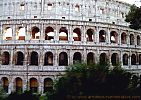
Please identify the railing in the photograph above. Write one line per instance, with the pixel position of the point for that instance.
(54, 68)
(66, 43)
(51, 68)
(31, 68)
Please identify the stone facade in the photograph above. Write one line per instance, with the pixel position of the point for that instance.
(40, 38)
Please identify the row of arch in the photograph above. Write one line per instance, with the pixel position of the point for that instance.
(33, 84)
(76, 34)
(19, 58)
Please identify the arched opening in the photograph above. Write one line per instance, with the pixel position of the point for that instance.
(63, 59)
(131, 39)
(77, 8)
(7, 33)
(33, 85)
(115, 59)
(138, 40)
(63, 34)
(5, 84)
(133, 59)
(21, 33)
(125, 59)
(90, 58)
(49, 33)
(5, 58)
(35, 33)
(34, 58)
(76, 34)
(76, 57)
(48, 60)
(90, 35)
(48, 85)
(102, 36)
(139, 59)
(123, 38)
(103, 59)
(114, 37)
(19, 84)
(19, 58)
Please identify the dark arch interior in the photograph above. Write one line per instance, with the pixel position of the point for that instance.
(78, 32)
(63, 59)
(5, 84)
(115, 59)
(63, 37)
(77, 57)
(102, 36)
(90, 33)
(138, 40)
(33, 85)
(125, 59)
(48, 30)
(131, 39)
(5, 58)
(103, 58)
(34, 59)
(48, 60)
(20, 58)
(90, 58)
(48, 85)
(35, 30)
(123, 38)
(113, 37)
(19, 84)
(133, 59)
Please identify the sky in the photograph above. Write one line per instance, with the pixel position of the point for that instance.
(133, 2)
(129, 1)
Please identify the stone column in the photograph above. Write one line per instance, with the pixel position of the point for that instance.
(41, 58)
(24, 85)
(56, 32)
(28, 32)
(84, 55)
(109, 57)
(40, 85)
(14, 32)
(70, 34)
(12, 57)
(42, 37)
(97, 56)
(10, 87)
(121, 55)
(56, 57)
(128, 38)
(1, 31)
(83, 35)
(68, 52)
(71, 57)
(109, 37)
(97, 35)
(119, 37)
(129, 62)
(26, 62)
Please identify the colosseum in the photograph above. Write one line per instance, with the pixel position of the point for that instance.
(40, 38)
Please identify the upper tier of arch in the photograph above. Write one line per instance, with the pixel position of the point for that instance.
(107, 11)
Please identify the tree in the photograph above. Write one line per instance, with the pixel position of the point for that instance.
(134, 17)
(94, 80)
(2, 93)
(27, 95)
